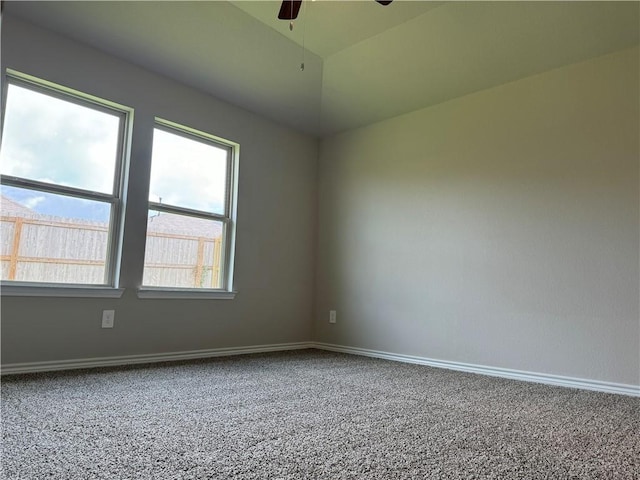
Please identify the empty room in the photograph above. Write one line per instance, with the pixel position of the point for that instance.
(320, 240)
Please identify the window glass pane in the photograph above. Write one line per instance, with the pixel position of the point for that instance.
(53, 238)
(57, 141)
(188, 173)
(183, 251)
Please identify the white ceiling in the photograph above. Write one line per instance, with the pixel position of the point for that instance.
(363, 62)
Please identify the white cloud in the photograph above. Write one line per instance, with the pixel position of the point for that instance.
(33, 202)
(61, 142)
(49, 139)
(188, 173)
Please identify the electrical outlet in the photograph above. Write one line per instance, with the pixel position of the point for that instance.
(332, 316)
(108, 318)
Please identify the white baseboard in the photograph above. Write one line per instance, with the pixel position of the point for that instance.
(581, 383)
(33, 367)
(586, 384)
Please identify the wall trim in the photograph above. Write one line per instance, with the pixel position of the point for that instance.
(32, 367)
(548, 379)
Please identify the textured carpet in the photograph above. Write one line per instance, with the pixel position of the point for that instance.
(309, 415)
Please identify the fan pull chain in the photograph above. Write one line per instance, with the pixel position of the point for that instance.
(304, 33)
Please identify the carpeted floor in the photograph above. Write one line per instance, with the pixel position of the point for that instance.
(309, 415)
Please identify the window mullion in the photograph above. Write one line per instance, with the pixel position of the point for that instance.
(161, 207)
(58, 189)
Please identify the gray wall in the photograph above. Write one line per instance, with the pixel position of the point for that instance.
(274, 268)
(498, 229)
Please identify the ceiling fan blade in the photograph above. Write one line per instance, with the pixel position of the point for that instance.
(289, 9)
(384, 2)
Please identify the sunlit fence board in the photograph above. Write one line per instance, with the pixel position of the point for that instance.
(54, 251)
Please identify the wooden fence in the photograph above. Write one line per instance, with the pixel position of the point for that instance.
(44, 250)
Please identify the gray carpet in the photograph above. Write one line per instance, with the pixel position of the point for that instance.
(309, 415)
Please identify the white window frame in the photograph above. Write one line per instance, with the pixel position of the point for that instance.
(110, 287)
(228, 218)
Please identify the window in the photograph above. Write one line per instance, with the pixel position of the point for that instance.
(62, 177)
(61, 169)
(190, 227)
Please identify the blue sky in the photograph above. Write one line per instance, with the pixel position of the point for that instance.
(58, 205)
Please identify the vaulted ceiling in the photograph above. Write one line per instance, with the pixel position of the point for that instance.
(363, 62)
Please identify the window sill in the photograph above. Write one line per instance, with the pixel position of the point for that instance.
(172, 293)
(60, 291)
